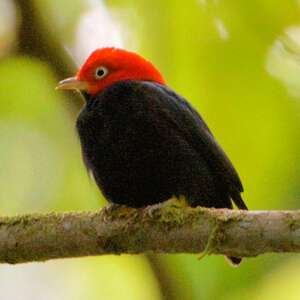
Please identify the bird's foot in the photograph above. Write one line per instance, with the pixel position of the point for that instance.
(115, 210)
(111, 208)
(178, 202)
(169, 210)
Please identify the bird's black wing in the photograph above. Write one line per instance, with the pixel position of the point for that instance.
(180, 114)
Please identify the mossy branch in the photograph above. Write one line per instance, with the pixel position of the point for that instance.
(158, 229)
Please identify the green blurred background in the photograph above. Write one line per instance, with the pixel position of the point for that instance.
(238, 62)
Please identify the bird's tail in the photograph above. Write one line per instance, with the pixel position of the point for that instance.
(234, 261)
(239, 202)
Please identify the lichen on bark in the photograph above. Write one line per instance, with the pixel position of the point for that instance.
(157, 229)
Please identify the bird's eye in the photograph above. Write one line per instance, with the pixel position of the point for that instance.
(101, 72)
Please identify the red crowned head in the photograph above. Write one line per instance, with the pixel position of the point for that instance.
(107, 66)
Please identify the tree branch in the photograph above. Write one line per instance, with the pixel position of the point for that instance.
(157, 229)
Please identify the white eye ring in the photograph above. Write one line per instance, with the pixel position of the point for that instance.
(101, 72)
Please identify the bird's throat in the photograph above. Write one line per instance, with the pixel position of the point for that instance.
(86, 96)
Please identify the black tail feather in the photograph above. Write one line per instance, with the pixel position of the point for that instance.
(234, 261)
(238, 200)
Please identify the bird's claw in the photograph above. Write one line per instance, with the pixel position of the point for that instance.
(167, 208)
(112, 210)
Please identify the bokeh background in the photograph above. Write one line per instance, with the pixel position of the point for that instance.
(238, 62)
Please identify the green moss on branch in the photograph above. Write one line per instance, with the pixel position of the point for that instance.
(158, 229)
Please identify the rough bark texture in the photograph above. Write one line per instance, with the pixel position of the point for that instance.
(158, 229)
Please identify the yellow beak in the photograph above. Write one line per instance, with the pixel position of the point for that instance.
(72, 83)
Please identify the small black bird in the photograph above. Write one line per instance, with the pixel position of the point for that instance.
(143, 142)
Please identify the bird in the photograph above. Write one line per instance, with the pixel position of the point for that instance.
(143, 142)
